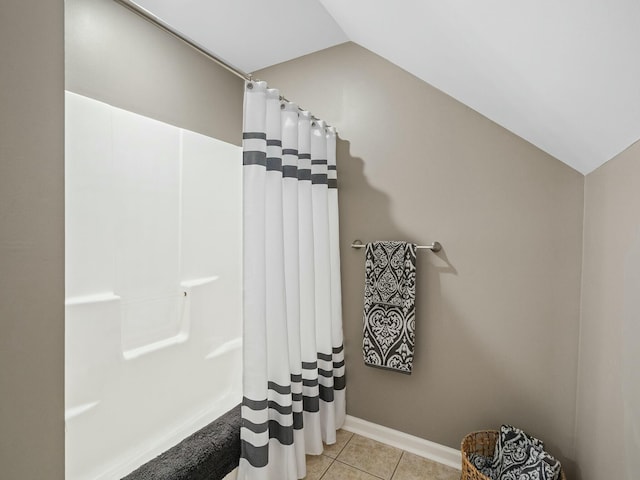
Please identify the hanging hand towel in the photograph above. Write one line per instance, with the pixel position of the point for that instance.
(389, 305)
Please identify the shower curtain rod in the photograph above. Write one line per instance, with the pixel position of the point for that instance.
(151, 18)
(154, 20)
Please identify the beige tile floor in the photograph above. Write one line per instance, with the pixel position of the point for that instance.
(353, 457)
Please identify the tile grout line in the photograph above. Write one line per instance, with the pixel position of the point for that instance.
(345, 445)
(333, 460)
(374, 476)
(397, 464)
(364, 471)
(351, 466)
(360, 470)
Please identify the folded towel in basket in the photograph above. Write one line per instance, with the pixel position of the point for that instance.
(517, 456)
(389, 305)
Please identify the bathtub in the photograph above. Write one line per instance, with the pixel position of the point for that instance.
(153, 310)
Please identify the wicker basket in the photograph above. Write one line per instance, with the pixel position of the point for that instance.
(481, 443)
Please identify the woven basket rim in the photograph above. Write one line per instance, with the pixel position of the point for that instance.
(476, 432)
(465, 454)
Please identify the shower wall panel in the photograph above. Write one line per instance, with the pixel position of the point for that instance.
(153, 286)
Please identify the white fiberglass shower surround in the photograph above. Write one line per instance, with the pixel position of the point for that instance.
(153, 286)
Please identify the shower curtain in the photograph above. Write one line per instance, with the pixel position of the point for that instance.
(293, 378)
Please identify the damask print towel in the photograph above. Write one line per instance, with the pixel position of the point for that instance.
(521, 456)
(389, 305)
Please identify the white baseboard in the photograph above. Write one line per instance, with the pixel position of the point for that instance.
(416, 445)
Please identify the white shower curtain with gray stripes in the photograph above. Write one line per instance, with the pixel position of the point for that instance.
(293, 382)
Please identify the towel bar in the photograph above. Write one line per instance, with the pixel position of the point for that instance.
(434, 247)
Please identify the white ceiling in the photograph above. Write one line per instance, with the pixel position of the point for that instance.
(564, 75)
(251, 34)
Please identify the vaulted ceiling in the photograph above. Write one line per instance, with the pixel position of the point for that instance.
(564, 75)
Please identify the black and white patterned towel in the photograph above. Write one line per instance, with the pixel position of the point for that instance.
(389, 305)
(518, 456)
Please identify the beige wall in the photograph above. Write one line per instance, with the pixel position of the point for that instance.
(498, 309)
(115, 56)
(609, 382)
(31, 240)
